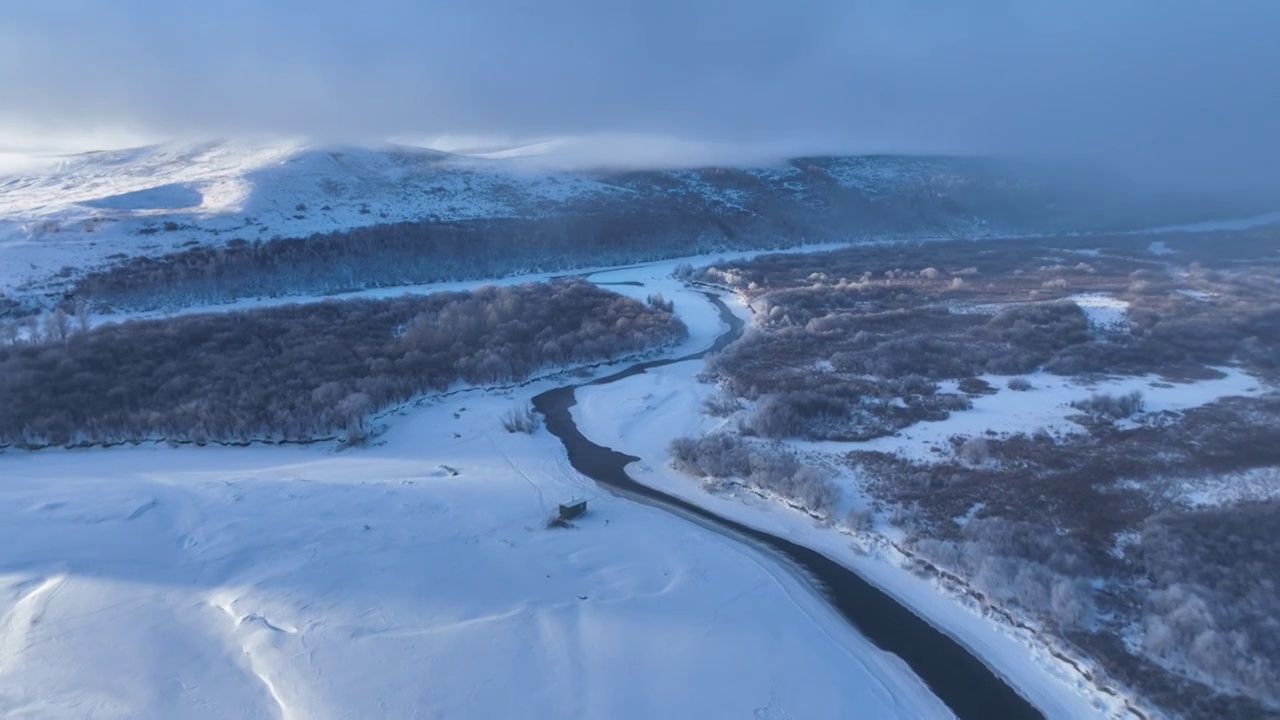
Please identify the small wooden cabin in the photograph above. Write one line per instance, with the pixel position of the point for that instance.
(572, 509)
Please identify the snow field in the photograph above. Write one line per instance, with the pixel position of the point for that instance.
(90, 206)
(1047, 406)
(304, 582)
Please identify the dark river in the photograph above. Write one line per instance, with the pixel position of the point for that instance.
(968, 687)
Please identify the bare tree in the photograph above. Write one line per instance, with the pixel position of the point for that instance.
(658, 302)
(305, 371)
(82, 318)
(521, 420)
(57, 325)
(974, 451)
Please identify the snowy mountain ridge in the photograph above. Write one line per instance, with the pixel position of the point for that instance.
(221, 186)
(88, 210)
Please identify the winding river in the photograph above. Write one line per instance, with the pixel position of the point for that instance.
(955, 675)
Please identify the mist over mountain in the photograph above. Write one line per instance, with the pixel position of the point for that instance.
(1171, 92)
(212, 222)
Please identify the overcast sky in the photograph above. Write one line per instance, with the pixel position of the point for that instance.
(1171, 86)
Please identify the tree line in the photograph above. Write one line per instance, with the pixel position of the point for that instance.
(659, 215)
(299, 372)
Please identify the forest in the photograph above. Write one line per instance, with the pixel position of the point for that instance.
(305, 371)
(397, 254)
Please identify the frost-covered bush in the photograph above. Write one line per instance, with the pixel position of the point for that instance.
(719, 455)
(658, 302)
(1211, 610)
(1019, 384)
(521, 420)
(974, 451)
(916, 385)
(1015, 562)
(721, 405)
(1112, 406)
(953, 402)
(725, 456)
(860, 519)
(797, 414)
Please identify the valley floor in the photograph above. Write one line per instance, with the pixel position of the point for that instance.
(413, 578)
(418, 577)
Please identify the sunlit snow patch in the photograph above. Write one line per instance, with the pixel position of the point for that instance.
(1104, 312)
(1254, 485)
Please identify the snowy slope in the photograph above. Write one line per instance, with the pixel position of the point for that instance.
(84, 211)
(147, 200)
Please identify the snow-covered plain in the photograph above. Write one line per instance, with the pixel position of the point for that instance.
(414, 578)
(313, 582)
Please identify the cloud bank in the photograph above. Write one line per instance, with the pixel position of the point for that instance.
(1180, 88)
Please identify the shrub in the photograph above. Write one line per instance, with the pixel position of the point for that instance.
(860, 519)
(658, 302)
(1019, 384)
(1112, 406)
(915, 385)
(723, 455)
(974, 451)
(1212, 607)
(952, 402)
(721, 405)
(797, 414)
(521, 420)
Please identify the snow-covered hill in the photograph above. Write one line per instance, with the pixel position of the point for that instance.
(88, 210)
(157, 197)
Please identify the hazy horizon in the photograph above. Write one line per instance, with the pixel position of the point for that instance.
(1163, 91)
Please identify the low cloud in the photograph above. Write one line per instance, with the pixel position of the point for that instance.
(1173, 89)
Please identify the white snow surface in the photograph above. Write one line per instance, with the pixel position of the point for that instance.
(306, 582)
(1104, 312)
(90, 206)
(1253, 485)
(1263, 220)
(1046, 406)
